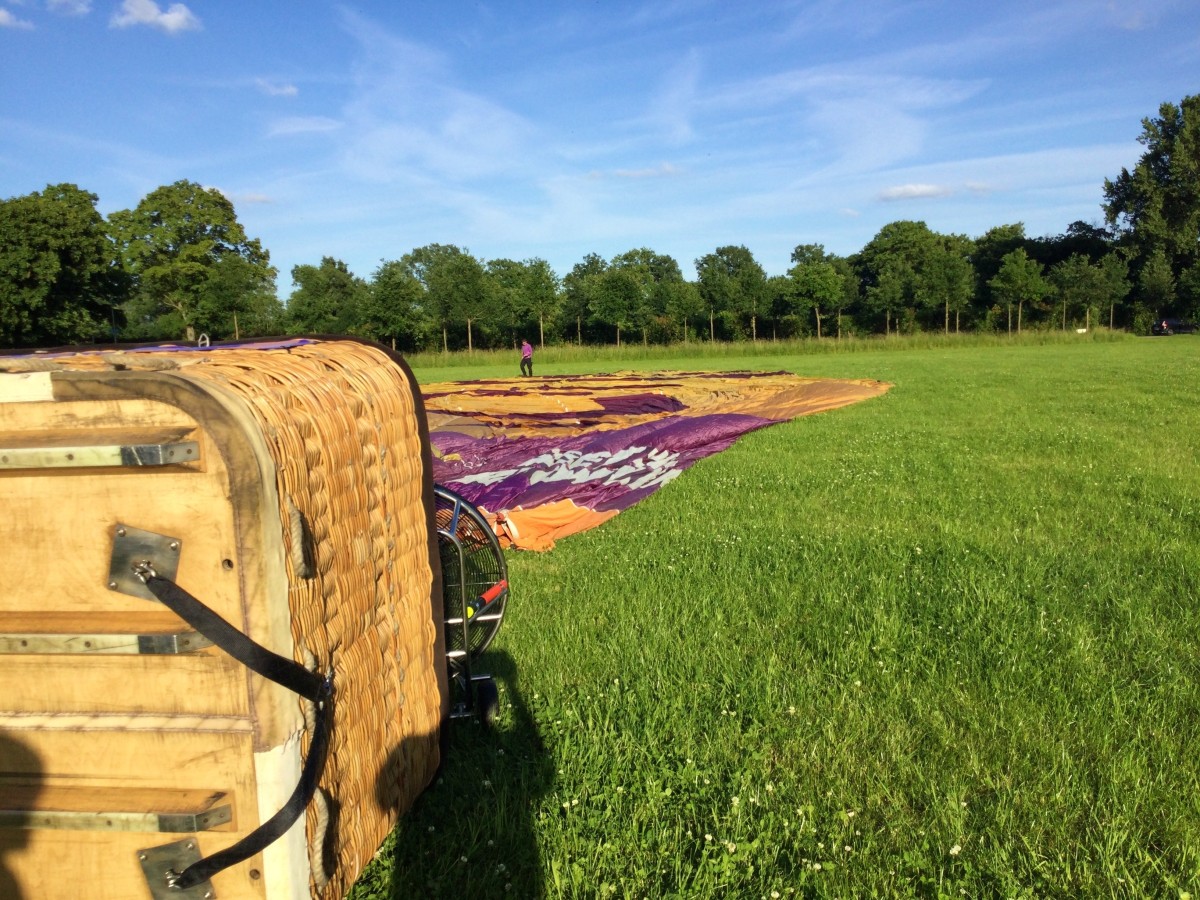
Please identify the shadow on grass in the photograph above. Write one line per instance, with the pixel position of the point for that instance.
(473, 833)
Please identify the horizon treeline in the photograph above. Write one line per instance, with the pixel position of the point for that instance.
(180, 265)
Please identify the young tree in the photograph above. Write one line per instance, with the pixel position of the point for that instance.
(656, 274)
(326, 300)
(817, 285)
(543, 296)
(1079, 286)
(1114, 284)
(988, 253)
(457, 290)
(617, 300)
(394, 308)
(1019, 281)
(579, 288)
(734, 286)
(949, 278)
(58, 279)
(174, 246)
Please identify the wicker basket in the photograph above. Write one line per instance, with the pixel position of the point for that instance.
(287, 485)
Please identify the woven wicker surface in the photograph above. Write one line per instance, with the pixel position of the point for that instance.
(341, 422)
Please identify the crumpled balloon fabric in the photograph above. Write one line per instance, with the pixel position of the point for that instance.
(547, 457)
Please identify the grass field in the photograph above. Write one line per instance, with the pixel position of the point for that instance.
(943, 643)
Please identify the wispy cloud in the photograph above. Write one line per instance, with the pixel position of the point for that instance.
(293, 125)
(174, 19)
(671, 110)
(8, 20)
(408, 118)
(70, 7)
(666, 170)
(915, 192)
(250, 198)
(276, 88)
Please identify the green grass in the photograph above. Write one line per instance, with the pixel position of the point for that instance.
(942, 643)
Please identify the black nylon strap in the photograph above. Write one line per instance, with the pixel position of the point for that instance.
(281, 670)
(276, 826)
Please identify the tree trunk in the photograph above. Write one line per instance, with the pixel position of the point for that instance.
(470, 345)
(579, 330)
(1020, 308)
(754, 328)
(541, 333)
(839, 324)
(957, 312)
(946, 328)
(1064, 315)
(887, 323)
(618, 337)
(1010, 318)
(712, 329)
(817, 313)
(1112, 312)
(445, 341)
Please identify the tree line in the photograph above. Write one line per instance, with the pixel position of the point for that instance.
(180, 265)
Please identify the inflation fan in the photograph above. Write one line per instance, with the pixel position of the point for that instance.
(474, 593)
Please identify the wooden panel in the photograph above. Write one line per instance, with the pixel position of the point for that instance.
(131, 768)
(70, 865)
(206, 683)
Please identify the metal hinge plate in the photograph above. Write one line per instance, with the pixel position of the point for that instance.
(132, 546)
(160, 864)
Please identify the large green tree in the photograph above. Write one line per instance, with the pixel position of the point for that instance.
(191, 263)
(458, 292)
(58, 280)
(526, 294)
(658, 276)
(1157, 204)
(328, 299)
(897, 269)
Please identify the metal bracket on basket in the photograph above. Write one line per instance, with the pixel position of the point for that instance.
(133, 644)
(132, 548)
(162, 865)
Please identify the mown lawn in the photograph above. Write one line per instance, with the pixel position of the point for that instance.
(942, 643)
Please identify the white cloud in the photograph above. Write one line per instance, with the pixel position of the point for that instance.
(292, 125)
(8, 20)
(174, 19)
(666, 170)
(70, 7)
(276, 89)
(915, 192)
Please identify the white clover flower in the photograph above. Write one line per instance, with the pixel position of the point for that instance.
(955, 850)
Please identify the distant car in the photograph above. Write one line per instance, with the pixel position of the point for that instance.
(1173, 326)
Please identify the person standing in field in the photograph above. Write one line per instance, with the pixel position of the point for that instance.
(526, 358)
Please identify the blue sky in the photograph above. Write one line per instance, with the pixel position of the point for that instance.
(553, 130)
